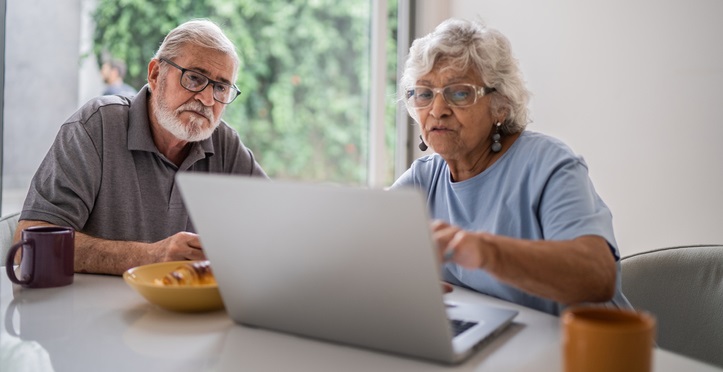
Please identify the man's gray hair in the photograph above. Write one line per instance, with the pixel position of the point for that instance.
(463, 44)
(197, 32)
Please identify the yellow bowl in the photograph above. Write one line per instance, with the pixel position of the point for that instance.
(182, 298)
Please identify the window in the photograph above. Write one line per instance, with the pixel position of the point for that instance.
(306, 79)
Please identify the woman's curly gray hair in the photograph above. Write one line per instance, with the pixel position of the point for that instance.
(462, 44)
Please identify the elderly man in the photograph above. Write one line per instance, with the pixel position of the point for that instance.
(110, 173)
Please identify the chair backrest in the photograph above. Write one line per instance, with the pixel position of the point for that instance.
(8, 224)
(683, 288)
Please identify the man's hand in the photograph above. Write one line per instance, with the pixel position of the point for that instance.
(178, 247)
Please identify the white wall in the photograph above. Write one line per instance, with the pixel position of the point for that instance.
(48, 74)
(41, 85)
(634, 87)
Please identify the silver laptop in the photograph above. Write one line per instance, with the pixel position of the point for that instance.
(344, 264)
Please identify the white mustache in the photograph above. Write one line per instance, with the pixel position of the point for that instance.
(197, 107)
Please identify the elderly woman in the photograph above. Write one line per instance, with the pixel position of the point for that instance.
(516, 214)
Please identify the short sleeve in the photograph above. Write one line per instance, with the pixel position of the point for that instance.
(64, 188)
(570, 207)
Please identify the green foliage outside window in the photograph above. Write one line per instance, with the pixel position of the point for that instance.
(304, 75)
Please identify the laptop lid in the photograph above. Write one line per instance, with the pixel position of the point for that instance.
(345, 264)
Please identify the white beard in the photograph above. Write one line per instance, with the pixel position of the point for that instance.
(194, 131)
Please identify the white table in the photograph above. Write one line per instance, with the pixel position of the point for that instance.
(100, 324)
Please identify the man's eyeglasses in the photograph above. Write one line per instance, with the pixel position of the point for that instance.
(196, 82)
(456, 95)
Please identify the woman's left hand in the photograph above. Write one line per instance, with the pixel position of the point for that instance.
(460, 246)
(568, 271)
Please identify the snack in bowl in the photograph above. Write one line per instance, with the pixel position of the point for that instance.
(189, 273)
(147, 281)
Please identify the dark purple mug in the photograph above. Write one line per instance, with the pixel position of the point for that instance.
(47, 257)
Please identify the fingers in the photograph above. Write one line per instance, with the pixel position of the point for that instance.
(456, 240)
(468, 249)
(443, 233)
(181, 246)
(437, 225)
(193, 245)
(192, 240)
(459, 246)
(195, 254)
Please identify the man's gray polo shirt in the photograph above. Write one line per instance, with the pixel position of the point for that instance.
(105, 177)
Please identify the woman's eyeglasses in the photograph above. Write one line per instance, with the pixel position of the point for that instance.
(456, 95)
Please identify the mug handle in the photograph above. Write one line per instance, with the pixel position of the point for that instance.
(10, 263)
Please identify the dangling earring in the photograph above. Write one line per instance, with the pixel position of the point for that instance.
(496, 145)
(423, 146)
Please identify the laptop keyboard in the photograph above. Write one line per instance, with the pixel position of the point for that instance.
(459, 326)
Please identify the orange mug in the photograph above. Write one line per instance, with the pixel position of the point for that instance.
(599, 339)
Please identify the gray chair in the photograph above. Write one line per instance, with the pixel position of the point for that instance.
(8, 224)
(683, 288)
